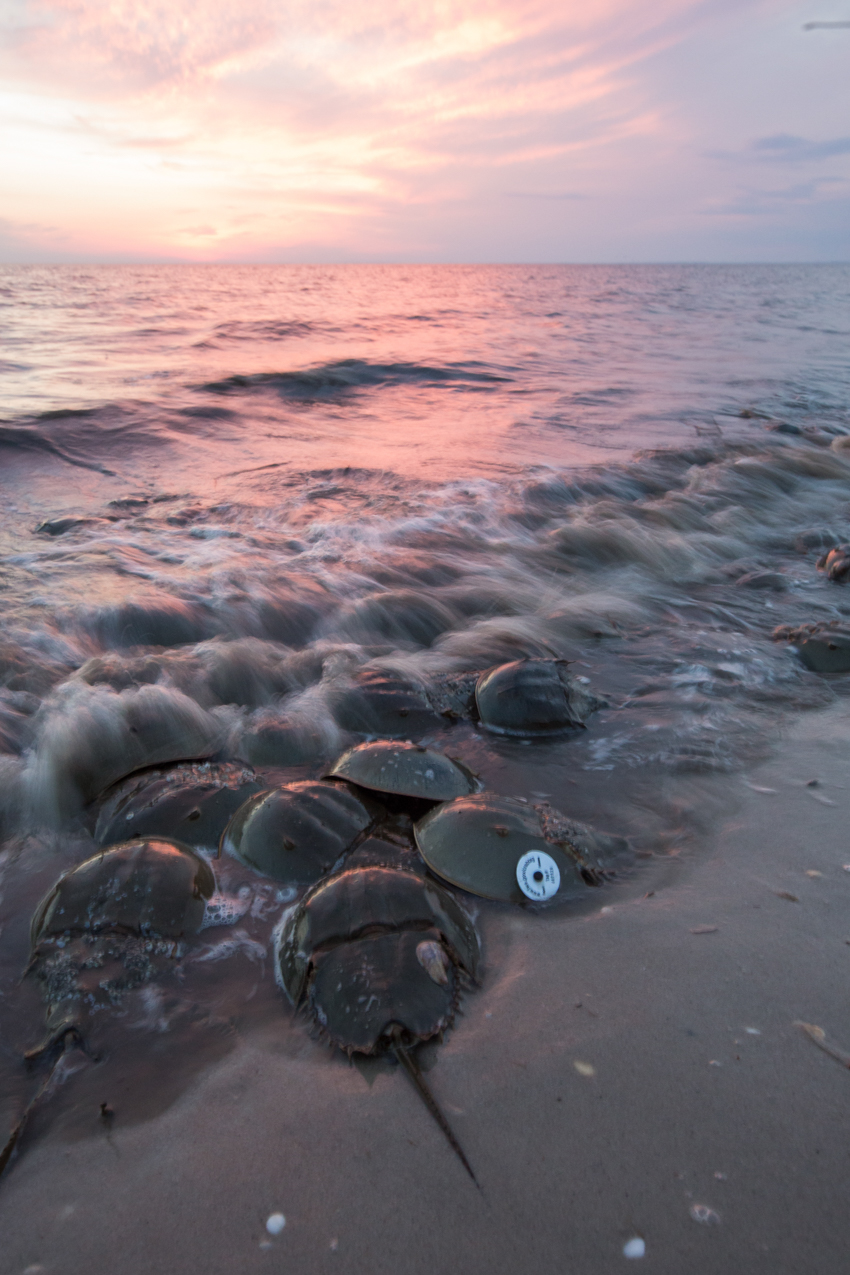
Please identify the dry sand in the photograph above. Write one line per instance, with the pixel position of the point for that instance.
(619, 1068)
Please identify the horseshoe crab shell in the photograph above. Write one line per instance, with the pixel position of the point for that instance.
(835, 563)
(109, 926)
(532, 697)
(405, 769)
(298, 832)
(139, 887)
(485, 844)
(380, 703)
(823, 648)
(193, 802)
(374, 947)
(96, 737)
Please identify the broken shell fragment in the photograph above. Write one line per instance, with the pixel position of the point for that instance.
(193, 802)
(298, 832)
(499, 849)
(434, 961)
(405, 769)
(532, 697)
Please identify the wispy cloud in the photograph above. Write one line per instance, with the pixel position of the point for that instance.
(786, 148)
(775, 201)
(124, 46)
(351, 128)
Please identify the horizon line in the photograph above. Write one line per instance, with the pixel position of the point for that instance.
(160, 261)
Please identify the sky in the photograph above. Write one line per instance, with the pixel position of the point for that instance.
(424, 130)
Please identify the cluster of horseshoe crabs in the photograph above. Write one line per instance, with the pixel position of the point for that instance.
(378, 950)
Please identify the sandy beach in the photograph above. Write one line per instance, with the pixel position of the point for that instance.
(620, 1067)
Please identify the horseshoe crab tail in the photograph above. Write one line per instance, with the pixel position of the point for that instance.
(69, 1040)
(410, 1065)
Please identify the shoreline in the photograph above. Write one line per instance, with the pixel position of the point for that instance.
(675, 1104)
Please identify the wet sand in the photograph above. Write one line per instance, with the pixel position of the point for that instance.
(676, 1104)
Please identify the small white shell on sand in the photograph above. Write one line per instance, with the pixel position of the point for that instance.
(635, 1247)
(584, 1068)
(275, 1223)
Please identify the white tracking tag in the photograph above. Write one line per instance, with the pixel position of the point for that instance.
(538, 875)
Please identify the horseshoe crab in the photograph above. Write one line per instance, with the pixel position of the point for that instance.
(823, 648)
(192, 802)
(499, 848)
(96, 737)
(298, 832)
(377, 957)
(408, 770)
(114, 912)
(380, 703)
(272, 739)
(835, 563)
(105, 928)
(532, 697)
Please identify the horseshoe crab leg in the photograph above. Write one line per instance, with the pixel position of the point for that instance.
(411, 1067)
(70, 1039)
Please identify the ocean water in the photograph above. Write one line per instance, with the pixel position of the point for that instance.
(239, 489)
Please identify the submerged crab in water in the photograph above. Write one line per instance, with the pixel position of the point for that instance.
(377, 956)
(529, 698)
(835, 563)
(823, 648)
(532, 697)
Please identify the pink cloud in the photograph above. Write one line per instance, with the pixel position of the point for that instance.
(215, 128)
(131, 45)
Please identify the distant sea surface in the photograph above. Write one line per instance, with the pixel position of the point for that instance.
(432, 373)
(429, 468)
